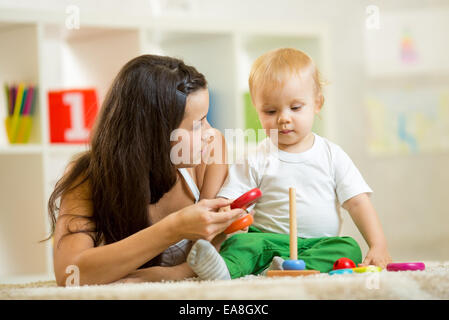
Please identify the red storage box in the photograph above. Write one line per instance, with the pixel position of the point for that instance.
(71, 115)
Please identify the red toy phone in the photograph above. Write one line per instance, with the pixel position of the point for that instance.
(244, 201)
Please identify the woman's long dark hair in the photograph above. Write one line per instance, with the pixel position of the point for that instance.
(128, 165)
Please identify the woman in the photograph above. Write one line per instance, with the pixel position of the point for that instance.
(124, 206)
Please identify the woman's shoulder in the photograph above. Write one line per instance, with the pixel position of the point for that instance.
(71, 204)
(77, 196)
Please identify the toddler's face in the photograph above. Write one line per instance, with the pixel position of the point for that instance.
(290, 109)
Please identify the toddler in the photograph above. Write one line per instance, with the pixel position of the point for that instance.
(286, 91)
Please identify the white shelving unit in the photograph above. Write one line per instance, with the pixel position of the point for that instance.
(54, 58)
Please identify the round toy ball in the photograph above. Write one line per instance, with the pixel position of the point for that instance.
(293, 265)
(341, 271)
(343, 263)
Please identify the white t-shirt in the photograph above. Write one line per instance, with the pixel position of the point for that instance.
(324, 177)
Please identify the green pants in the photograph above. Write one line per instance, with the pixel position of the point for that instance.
(252, 252)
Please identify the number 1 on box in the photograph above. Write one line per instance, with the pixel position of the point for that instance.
(77, 130)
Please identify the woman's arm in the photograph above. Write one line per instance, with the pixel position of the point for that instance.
(367, 221)
(214, 176)
(216, 172)
(109, 263)
(156, 274)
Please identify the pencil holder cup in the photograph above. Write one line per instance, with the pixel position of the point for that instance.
(18, 128)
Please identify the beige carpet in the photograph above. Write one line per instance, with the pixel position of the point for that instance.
(433, 283)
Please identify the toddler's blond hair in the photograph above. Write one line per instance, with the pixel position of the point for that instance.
(273, 68)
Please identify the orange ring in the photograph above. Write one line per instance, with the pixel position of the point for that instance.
(240, 224)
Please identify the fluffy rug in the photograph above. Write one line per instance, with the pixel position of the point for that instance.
(431, 284)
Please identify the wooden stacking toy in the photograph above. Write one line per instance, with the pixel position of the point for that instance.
(292, 267)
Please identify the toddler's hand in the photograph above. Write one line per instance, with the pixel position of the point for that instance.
(227, 208)
(378, 256)
(244, 230)
(218, 241)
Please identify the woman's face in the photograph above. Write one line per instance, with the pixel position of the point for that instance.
(192, 136)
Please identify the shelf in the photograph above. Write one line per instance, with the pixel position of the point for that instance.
(212, 54)
(67, 148)
(88, 57)
(21, 149)
(19, 63)
(52, 149)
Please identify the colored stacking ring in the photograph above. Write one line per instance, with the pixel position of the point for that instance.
(406, 266)
(367, 269)
(341, 271)
(293, 265)
(247, 199)
(240, 224)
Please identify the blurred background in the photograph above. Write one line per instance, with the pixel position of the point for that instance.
(386, 65)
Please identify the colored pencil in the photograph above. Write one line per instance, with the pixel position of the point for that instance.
(24, 98)
(8, 104)
(29, 101)
(13, 91)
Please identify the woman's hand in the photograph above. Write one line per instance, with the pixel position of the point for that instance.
(377, 256)
(244, 230)
(203, 220)
(133, 277)
(222, 237)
